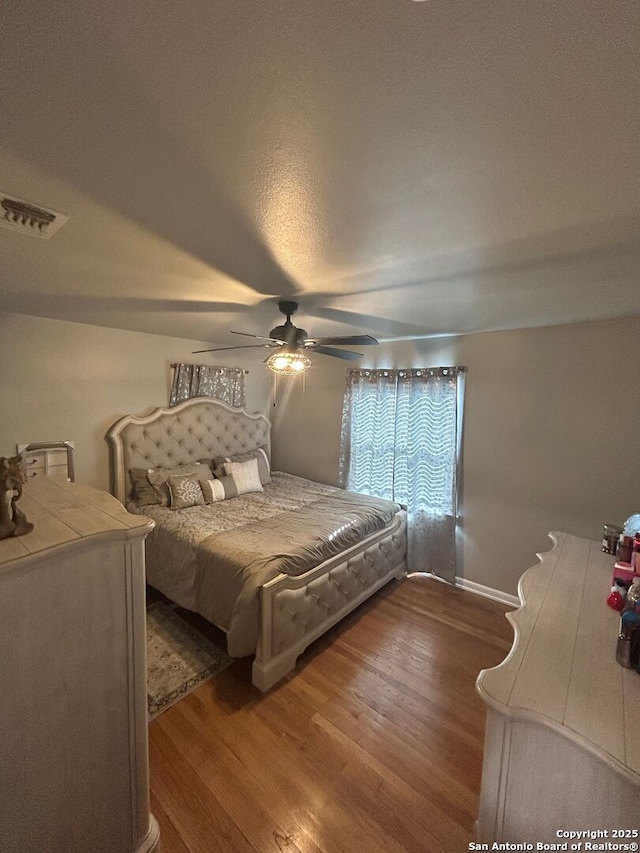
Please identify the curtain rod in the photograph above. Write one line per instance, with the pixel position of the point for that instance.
(458, 368)
(213, 366)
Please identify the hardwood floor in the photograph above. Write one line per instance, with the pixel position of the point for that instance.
(374, 744)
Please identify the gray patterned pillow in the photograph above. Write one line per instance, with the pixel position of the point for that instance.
(184, 491)
(158, 478)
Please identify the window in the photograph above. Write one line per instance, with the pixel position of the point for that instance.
(401, 432)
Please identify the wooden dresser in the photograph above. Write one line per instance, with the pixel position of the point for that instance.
(74, 772)
(562, 749)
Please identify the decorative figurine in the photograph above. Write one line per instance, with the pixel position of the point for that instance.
(615, 599)
(13, 522)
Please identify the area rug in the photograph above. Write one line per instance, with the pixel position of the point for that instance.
(179, 658)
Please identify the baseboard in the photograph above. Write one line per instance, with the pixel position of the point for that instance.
(151, 842)
(488, 592)
(478, 589)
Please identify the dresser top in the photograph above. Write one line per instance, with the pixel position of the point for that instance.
(63, 513)
(561, 670)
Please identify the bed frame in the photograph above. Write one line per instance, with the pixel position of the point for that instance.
(294, 611)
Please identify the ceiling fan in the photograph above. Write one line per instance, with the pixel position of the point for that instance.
(291, 343)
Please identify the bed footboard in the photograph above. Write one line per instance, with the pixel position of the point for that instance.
(297, 610)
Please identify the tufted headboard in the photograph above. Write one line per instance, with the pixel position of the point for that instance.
(189, 432)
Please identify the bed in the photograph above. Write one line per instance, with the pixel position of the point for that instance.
(274, 567)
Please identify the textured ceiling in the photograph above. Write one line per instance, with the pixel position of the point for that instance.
(402, 169)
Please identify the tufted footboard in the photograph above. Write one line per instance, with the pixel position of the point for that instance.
(297, 610)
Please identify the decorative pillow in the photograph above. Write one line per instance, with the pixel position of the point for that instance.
(220, 489)
(184, 491)
(260, 454)
(142, 492)
(158, 478)
(245, 475)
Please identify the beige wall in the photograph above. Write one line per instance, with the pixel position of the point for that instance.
(551, 435)
(67, 381)
(551, 427)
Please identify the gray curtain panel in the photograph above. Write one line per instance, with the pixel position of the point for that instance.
(200, 380)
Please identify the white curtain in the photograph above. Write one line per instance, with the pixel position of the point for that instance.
(401, 438)
(200, 380)
(367, 443)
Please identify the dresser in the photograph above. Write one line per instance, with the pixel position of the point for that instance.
(562, 748)
(73, 718)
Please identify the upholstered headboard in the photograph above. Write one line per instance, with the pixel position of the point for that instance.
(189, 432)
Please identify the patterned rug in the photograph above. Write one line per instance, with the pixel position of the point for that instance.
(179, 658)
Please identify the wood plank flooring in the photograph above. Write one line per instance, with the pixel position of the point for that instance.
(375, 744)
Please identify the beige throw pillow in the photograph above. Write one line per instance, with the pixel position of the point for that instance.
(264, 469)
(245, 475)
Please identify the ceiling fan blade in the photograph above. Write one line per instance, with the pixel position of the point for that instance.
(259, 337)
(346, 354)
(348, 340)
(222, 349)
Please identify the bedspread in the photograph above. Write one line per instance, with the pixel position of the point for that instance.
(233, 565)
(292, 527)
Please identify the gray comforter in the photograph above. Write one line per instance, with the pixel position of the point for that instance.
(217, 566)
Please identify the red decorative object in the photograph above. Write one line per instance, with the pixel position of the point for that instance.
(615, 600)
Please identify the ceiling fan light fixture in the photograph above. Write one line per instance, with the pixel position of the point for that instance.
(288, 363)
(291, 342)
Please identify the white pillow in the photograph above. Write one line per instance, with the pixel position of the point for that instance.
(260, 454)
(245, 475)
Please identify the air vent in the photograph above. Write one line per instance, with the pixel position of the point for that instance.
(28, 218)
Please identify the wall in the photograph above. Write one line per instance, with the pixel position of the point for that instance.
(551, 435)
(68, 381)
(551, 421)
